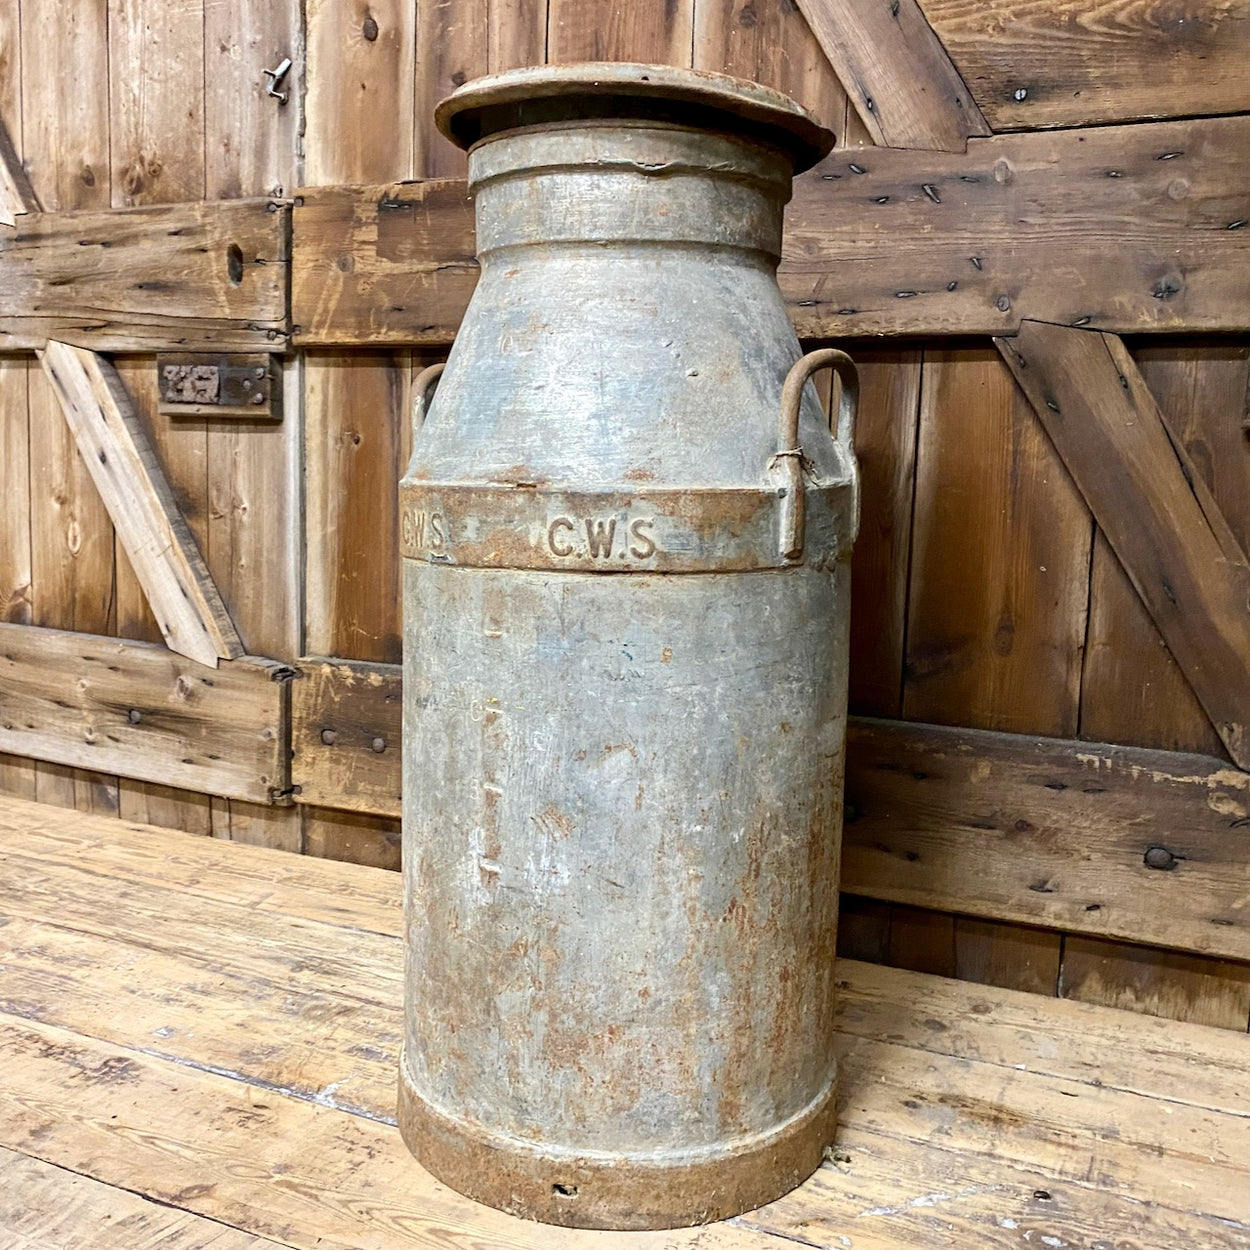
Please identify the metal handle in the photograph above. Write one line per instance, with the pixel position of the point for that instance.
(423, 387)
(788, 462)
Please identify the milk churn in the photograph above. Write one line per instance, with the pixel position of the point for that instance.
(626, 532)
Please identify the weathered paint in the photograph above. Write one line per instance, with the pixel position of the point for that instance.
(622, 794)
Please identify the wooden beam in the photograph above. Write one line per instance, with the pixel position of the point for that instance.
(1072, 63)
(134, 709)
(172, 277)
(1153, 506)
(1036, 831)
(123, 464)
(896, 73)
(346, 725)
(1051, 832)
(1126, 229)
(17, 196)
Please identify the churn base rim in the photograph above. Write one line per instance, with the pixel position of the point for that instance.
(626, 1193)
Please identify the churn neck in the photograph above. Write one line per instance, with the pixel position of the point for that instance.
(596, 92)
(630, 156)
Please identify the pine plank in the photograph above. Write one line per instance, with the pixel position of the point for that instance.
(44, 1207)
(999, 559)
(254, 545)
(346, 734)
(65, 132)
(1069, 63)
(653, 32)
(15, 551)
(156, 100)
(139, 710)
(885, 446)
(1158, 515)
(769, 41)
(1132, 690)
(1050, 833)
(65, 148)
(17, 197)
(896, 73)
(877, 241)
(1174, 985)
(148, 279)
(968, 1112)
(359, 99)
(149, 524)
(455, 38)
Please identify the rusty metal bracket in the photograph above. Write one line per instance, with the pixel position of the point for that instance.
(227, 385)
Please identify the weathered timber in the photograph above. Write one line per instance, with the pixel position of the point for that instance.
(392, 264)
(1032, 63)
(215, 1028)
(345, 735)
(138, 710)
(17, 197)
(1039, 831)
(896, 73)
(1157, 513)
(1051, 832)
(163, 554)
(1126, 229)
(169, 277)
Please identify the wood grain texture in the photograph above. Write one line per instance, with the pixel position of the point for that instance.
(1035, 63)
(149, 524)
(1132, 690)
(769, 41)
(1176, 986)
(15, 563)
(999, 559)
(1124, 228)
(138, 710)
(208, 1070)
(1050, 833)
(43, 1206)
(363, 64)
(254, 471)
(156, 100)
(346, 731)
(1127, 229)
(654, 32)
(885, 446)
(155, 278)
(393, 263)
(359, 98)
(1157, 513)
(17, 196)
(896, 73)
(65, 132)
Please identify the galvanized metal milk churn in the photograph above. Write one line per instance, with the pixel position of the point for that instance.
(626, 533)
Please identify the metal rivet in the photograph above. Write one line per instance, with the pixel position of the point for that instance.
(1160, 857)
(379, 745)
(134, 716)
(329, 737)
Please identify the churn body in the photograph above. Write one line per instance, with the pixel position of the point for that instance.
(625, 636)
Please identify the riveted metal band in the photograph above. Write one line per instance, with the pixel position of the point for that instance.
(647, 531)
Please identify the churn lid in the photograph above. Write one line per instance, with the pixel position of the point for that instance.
(551, 94)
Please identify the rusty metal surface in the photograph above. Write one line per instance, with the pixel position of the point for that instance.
(622, 794)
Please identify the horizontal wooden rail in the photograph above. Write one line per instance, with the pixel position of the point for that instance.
(1072, 63)
(1125, 229)
(1145, 846)
(168, 277)
(137, 710)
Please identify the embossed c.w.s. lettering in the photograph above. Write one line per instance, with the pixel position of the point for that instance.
(421, 529)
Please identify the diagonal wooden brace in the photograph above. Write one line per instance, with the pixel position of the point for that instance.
(183, 596)
(1151, 503)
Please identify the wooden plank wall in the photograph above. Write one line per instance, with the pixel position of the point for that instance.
(984, 595)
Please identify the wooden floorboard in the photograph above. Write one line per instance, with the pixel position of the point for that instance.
(205, 1033)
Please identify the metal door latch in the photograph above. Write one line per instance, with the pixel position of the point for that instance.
(275, 77)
